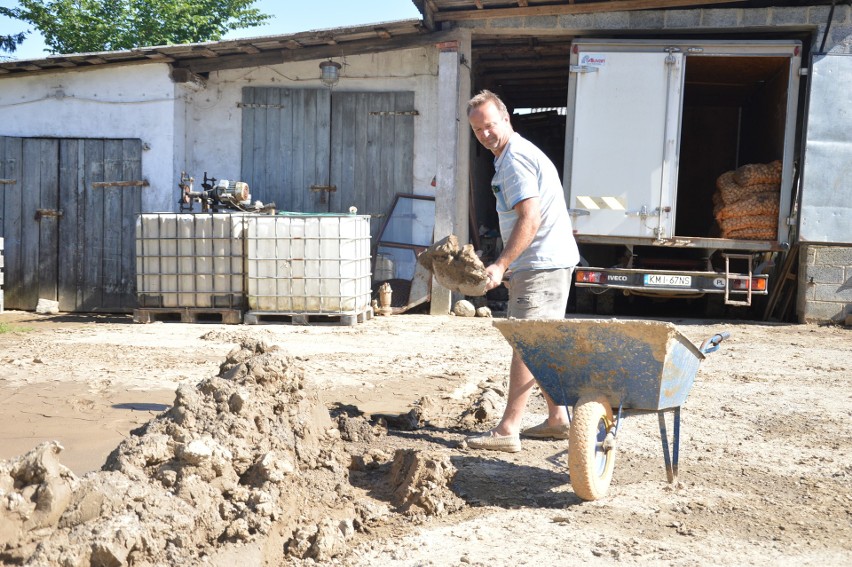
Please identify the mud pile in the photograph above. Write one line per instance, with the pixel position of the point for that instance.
(247, 467)
(456, 268)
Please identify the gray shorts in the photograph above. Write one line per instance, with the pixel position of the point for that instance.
(539, 294)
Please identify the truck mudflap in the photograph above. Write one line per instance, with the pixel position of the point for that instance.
(667, 283)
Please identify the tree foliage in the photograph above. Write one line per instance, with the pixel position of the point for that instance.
(9, 43)
(83, 26)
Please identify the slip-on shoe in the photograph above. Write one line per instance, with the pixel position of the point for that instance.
(494, 442)
(545, 431)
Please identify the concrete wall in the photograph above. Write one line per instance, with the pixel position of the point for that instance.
(213, 125)
(136, 101)
(825, 283)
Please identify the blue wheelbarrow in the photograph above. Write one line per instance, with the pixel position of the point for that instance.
(607, 369)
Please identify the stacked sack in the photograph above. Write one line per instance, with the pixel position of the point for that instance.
(746, 201)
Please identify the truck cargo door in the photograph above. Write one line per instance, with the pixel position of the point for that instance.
(622, 141)
(827, 172)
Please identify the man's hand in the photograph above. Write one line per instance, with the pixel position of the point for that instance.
(495, 276)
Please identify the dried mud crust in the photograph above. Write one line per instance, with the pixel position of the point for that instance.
(764, 474)
(457, 268)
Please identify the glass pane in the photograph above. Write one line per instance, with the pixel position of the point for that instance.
(394, 264)
(411, 222)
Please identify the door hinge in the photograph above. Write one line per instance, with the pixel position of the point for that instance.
(394, 113)
(130, 183)
(259, 105)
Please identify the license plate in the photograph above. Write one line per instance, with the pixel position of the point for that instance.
(668, 280)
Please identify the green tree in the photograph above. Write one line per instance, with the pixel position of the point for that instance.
(83, 26)
(9, 43)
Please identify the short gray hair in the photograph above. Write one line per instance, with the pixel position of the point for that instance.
(484, 97)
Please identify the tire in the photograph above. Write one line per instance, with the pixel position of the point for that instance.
(589, 463)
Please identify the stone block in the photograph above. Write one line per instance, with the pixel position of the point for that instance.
(833, 255)
(833, 293)
(822, 312)
(612, 20)
(725, 18)
(790, 15)
(756, 17)
(822, 274)
(506, 23)
(646, 19)
(676, 19)
(819, 14)
(576, 21)
(541, 22)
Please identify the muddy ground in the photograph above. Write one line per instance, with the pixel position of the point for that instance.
(765, 470)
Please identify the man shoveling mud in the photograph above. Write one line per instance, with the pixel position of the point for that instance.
(539, 249)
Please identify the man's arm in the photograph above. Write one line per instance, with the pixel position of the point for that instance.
(526, 227)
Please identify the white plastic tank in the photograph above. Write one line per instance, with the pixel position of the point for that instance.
(193, 260)
(384, 267)
(308, 263)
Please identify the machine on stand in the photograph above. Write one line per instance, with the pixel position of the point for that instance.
(219, 195)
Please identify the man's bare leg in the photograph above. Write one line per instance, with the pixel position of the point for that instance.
(521, 383)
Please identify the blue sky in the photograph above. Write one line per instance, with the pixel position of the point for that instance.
(289, 16)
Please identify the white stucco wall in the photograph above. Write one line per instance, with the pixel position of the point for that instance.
(135, 101)
(213, 120)
(198, 130)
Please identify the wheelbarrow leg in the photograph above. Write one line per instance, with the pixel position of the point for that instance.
(671, 461)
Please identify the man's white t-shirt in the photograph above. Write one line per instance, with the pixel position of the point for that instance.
(523, 171)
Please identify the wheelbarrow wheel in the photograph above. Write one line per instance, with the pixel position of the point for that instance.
(591, 456)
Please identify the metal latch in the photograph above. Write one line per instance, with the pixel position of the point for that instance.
(583, 69)
(646, 212)
(57, 213)
(323, 190)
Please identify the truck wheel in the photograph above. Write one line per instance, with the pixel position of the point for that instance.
(591, 455)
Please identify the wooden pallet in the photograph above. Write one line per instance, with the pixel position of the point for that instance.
(350, 318)
(188, 315)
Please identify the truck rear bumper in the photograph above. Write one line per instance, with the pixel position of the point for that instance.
(669, 283)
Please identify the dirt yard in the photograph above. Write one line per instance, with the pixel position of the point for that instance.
(350, 453)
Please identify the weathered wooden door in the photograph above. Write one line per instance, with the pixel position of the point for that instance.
(373, 152)
(285, 146)
(67, 211)
(318, 151)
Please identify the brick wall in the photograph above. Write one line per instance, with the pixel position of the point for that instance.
(825, 283)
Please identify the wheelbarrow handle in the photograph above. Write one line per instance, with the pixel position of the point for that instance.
(712, 344)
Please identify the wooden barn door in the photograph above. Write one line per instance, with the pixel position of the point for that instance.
(318, 151)
(373, 158)
(67, 212)
(285, 146)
